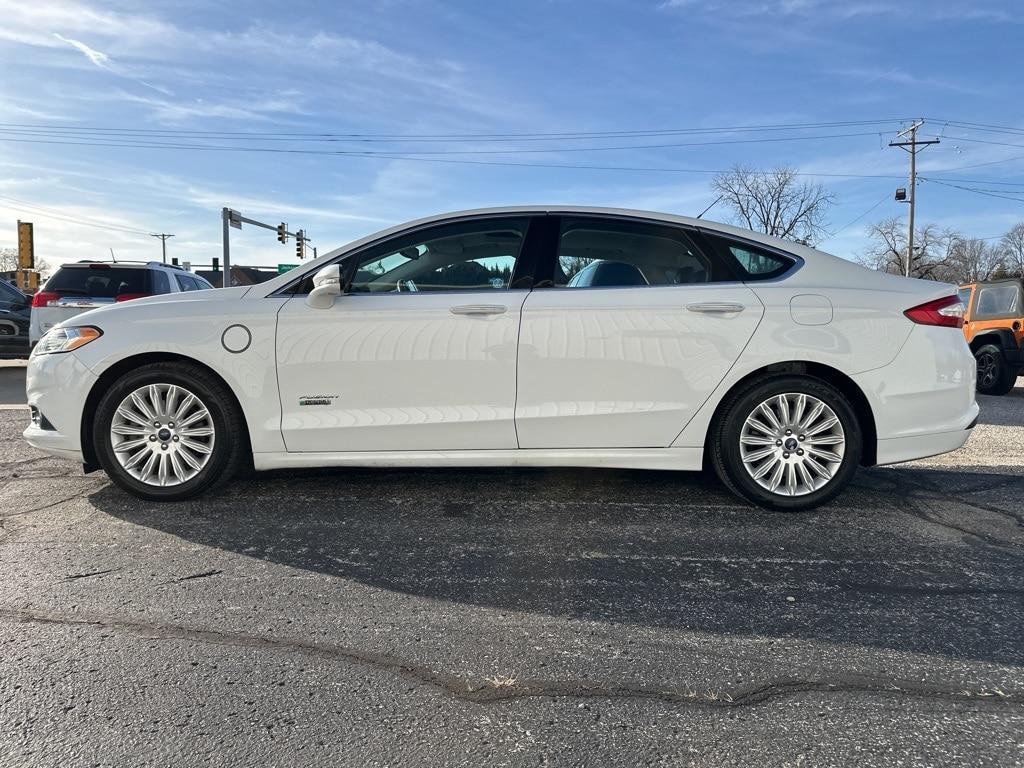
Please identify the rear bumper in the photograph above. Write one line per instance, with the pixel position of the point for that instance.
(897, 449)
(923, 401)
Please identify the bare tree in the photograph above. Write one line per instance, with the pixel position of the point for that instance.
(8, 259)
(934, 250)
(775, 202)
(972, 260)
(1011, 248)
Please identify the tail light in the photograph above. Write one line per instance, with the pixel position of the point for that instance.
(947, 311)
(45, 299)
(130, 296)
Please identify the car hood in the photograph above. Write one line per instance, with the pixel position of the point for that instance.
(111, 311)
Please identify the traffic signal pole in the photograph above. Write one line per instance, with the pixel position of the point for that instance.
(232, 218)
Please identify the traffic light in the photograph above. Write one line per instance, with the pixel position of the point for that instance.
(216, 264)
(282, 233)
(300, 244)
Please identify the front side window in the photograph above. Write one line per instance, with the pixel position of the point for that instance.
(184, 283)
(468, 256)
(606, 253)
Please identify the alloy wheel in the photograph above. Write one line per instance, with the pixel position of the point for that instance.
(162, 434)
(986, 370)
(792, 444)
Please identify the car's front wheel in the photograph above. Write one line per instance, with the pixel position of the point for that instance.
(789, 443)
(168, 431)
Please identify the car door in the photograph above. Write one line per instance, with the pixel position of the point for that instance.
(631, 328)
(419, 351)
(14, 319)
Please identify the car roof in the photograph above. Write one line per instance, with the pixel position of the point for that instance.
(86, 263)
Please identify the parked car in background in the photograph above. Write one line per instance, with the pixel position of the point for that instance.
(994, 328)
(580, 337)
(15, 316)
(80, 286)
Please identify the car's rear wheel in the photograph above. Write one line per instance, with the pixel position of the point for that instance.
(789, 443)
(168, 431)
(995, 376)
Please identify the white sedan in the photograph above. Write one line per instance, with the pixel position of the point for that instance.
(537, 336)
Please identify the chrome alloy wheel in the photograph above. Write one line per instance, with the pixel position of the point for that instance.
(792, 444)
(162, 434)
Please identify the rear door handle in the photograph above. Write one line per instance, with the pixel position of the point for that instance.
(479, 309)
(719, 307)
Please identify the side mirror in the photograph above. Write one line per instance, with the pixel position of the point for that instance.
(326, 286)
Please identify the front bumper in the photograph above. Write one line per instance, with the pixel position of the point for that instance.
(57, 386)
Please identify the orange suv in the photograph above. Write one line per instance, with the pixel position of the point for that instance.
(994, 327)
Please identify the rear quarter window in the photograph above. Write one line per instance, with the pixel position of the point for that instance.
(751, 262)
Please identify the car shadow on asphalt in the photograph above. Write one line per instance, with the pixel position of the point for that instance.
(908, 559)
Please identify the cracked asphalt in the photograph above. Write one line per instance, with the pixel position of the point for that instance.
(519, 618)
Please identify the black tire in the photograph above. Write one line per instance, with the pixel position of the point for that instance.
(995, 375)
(724, 441)
(230, 445)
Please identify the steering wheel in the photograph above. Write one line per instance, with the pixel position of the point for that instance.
(406, 285)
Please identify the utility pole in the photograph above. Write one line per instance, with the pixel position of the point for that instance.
(912, 146)
(163, 243)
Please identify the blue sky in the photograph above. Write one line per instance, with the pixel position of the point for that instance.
(421, 67)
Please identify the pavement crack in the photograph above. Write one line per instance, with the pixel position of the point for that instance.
(89, 574)
(482, 690)
(203, 575)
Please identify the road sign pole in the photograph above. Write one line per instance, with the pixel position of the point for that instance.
(226, 222)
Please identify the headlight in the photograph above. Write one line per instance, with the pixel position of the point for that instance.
(66, 339)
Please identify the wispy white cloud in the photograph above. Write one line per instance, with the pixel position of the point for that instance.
(901, 77)
(98, 58)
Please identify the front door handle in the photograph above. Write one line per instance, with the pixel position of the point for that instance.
(718, 307)
(479, 309)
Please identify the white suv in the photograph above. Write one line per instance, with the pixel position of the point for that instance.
(84, 285)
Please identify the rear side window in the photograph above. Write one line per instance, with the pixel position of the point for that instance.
(998, 301)
(752, 263)
(965, 297)
(160, 282)
(610, 253)
(100, 281)
(187, 283)
(9, 293)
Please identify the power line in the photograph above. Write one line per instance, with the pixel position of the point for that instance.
(511, 164)
(970, 189)
(33, 208)
(987, 127)
(105, 141)
(451, 136)
(854, 221)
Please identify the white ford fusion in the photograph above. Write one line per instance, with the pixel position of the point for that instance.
(540, 336)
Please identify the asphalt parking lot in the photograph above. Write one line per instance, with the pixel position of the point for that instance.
(492, 618)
